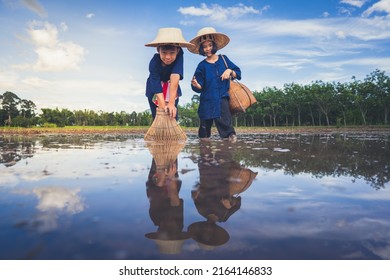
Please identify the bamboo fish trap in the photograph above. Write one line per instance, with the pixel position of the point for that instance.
(165, 153)
(164, 128)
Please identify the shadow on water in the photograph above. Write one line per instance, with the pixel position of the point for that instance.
(264, 197)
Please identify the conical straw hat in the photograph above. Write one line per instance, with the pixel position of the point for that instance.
(169, 36)
(208, 33)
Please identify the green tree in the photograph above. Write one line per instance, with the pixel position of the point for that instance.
(9, 103)
(378, 84)
(27, 108)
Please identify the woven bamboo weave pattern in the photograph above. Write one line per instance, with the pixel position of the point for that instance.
(165, 128)
(241, 97)
(165, 153)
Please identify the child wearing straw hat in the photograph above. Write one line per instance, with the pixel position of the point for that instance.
(212, 81)
(165, 71)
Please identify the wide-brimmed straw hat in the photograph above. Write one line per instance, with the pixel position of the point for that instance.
(208, 33)
(169, 36)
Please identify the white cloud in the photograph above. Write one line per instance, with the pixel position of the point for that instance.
(90, 15)
(379, 63)
(7, 79)
(53, 55)
(355, 3)
(218, 12)
(90, 94)
(35, 6)
(344, 11)
(383, 6)
(43, 33)
(327, 28)
(35, 82)
(64, 26)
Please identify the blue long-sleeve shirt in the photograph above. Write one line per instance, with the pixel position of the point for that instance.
(213, 89)
(159, 73)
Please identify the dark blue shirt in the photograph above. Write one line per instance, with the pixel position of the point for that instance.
(159, 73)
(213, 89)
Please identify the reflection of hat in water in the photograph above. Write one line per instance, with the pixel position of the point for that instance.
(208, 235)
(169, 36)
(208, 33)
(167, 243)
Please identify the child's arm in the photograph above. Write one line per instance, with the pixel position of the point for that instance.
(173, 87)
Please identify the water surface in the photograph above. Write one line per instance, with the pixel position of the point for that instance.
(264, 197)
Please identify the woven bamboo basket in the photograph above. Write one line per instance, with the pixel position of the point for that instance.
(164, 128)
(241, 98)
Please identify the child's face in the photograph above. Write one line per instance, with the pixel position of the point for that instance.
(207, 47)
(168, 56)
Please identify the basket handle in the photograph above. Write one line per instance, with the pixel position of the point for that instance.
(231, 80)
(223, 57)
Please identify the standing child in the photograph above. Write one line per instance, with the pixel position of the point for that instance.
(165, 71)
(212, 81)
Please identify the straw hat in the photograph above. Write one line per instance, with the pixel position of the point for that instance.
(169, 36)
(208, 33)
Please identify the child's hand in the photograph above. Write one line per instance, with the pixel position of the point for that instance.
(195, 83)
(171, 109)
(226, 74)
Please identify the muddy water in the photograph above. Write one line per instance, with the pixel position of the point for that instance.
(264, 197)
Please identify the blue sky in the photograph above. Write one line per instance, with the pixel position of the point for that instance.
(90, 54)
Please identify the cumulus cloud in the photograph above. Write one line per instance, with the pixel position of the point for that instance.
(355, 3)
(59, 199)
(90, 15)
(35, 6)
(53, 54)
(53, 201)
(218, 12)
(383, 6)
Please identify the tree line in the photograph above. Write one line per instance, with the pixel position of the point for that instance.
(357, 102)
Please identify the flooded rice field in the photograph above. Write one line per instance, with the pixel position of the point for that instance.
(265, 197)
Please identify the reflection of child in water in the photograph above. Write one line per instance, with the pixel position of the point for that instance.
(167, 178)
(166, 208)
(216, 196)
(217, 205)
(212, 197)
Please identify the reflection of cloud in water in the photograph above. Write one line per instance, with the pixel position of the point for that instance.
(54, 201)
(303, 207)
(7, 178)
(351, 225)
(59, 199)
(74, 164)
